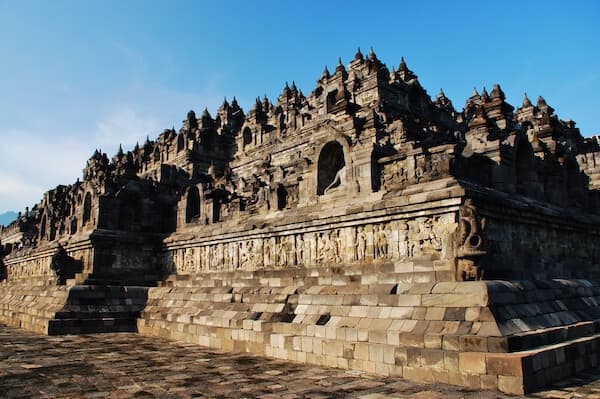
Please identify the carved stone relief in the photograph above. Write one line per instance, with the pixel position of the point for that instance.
(394, 241)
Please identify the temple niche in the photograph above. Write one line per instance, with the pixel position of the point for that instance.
(331, 168)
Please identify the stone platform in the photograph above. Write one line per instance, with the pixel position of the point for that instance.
(128, 365)
(46, 308)
(349, 228)
(509, 336)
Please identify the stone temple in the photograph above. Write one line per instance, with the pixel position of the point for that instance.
(364, 226)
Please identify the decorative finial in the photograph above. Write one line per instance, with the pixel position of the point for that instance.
(484, 93)
(402, 67)
(526, 101)
(326, 73)
(372, 55)
(340, 66)
(541, 102)
(497, 92)
(358, 55)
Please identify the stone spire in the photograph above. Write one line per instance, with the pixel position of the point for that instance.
(190, 122)
(358, 55)
(405, 73)
(266, 104)
(484, 94)
(225, 103)
(497, 93)
(372, 55)
(340, 67)
(526, 101)
(258, 105)
(441, 101)
(206, 119)
(325, 75)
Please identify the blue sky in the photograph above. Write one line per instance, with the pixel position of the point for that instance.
(80, 75)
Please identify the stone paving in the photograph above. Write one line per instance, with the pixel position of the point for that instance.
(132, 366)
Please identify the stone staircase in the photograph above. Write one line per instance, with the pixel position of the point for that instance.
(39, 305)
(99, 309)
(145, 280)
(388, 319)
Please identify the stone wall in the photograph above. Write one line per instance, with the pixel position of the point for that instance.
(484, 335)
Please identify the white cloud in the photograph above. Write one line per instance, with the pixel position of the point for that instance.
(32, 162)
(123, 125)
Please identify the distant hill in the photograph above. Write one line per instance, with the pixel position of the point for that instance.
(7, 217)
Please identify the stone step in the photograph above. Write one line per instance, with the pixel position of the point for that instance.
(551, 336)
(207, 280)
(79, 278)
(94, 314)
(301, 273)
(91, 325)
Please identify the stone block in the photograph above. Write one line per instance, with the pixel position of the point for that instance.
(401, 356)
(511, 385)
(472, 362)
(507, 365)
(433, 358)
(433, 341)
(376, 353)
(418, 374)
(413, 357)
(435, 313)
(473, 343)
(361, 351)
(451, 361)
(451, 342)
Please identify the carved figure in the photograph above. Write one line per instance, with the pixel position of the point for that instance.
(470, 243)
(337, 246)
(283, 251)
(338, 180)
(361, 243)
(380, 238)
(299, 250)
(403, 241)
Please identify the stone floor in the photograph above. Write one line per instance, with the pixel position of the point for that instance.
(131, 366)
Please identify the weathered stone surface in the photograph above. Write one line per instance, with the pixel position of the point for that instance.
(352, 227)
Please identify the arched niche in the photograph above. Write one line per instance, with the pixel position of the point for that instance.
(87, 209)
(525, 173)
(331, 167)
(192, 204)
(246, 136)
(43, 227)
(73, 225)
(282, 197)
(180, 142)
